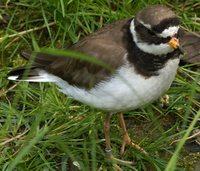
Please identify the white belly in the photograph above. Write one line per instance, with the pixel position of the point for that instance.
(126, 90)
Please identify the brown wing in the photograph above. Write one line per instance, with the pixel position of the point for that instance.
(191, 45)
(105, 45)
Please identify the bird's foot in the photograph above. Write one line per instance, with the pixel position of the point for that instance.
(116, 161)
(126, 138)
(127, 141)
(138, 148)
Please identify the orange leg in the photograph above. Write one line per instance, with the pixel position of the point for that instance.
(108, 148)
(126, 137)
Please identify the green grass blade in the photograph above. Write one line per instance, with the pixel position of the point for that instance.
(25, 150)
(173, 161)
(76, 55)
(62, 7)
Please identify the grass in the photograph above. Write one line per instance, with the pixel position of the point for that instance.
(42, 129)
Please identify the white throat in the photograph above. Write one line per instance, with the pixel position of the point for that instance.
(154, 49)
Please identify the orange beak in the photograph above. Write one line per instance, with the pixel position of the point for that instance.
(174, 42)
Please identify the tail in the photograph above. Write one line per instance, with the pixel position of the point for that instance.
(34, 72)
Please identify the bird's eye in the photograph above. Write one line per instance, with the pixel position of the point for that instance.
(165, 40)
(151, 33)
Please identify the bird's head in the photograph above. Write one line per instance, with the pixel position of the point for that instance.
(155, 30)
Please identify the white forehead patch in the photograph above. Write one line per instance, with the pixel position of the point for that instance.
(146, 25)
(169, 32)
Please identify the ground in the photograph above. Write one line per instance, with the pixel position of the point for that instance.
(42, 129)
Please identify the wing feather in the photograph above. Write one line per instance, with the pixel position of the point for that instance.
(106, 45)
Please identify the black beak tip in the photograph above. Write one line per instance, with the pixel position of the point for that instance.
(181, 50)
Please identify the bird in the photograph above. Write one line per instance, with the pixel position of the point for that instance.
(142, 52)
